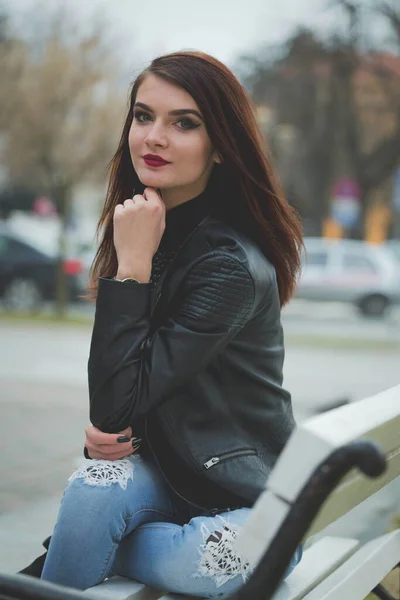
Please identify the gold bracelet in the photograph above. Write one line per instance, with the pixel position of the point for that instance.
(127, 279)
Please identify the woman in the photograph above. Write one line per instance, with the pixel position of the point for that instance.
(198, 253)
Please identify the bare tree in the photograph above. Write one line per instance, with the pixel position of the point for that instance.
(62, 110)
(391, 11)
(296, 85)
(313, 86)
(374, 165)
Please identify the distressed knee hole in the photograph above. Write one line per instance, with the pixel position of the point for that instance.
(219, 558)
(105, 473)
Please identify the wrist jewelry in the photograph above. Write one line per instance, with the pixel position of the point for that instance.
(126, 279)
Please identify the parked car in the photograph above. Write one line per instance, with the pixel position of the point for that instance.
(366, 275)
(394, 246)
(28, 275)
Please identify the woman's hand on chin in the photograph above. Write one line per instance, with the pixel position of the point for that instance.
(106, 445)
(139, 225)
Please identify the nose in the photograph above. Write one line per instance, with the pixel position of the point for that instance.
(156, 136)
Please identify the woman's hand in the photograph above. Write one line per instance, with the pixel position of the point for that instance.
(139, 225)
(105, 445)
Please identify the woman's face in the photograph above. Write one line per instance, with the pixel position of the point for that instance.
(168, 126)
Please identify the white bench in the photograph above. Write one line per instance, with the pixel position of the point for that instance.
(349, 549)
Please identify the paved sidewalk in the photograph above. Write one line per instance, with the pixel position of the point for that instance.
(23, 531)
(41, 440)
(41, 436)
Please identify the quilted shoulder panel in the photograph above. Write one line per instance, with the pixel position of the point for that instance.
(219, 289)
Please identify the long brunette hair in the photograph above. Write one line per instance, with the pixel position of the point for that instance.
(246, 189)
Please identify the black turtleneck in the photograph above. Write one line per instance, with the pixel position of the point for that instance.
(180, 221)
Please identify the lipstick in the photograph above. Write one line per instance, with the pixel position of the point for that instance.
(153, 160)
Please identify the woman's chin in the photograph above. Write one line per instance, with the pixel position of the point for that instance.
(152, 180)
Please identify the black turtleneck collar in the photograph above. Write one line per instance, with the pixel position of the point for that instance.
(182, 219)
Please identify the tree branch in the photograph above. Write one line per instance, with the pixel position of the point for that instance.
(392, 14)
(381, 162)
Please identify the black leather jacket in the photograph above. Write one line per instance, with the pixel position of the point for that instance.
(201, 355)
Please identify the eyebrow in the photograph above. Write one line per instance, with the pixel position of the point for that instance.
(179, 111)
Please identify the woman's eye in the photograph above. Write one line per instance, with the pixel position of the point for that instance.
(141, 117)
(184, 123)
(187, 124)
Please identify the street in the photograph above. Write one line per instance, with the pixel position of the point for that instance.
(44, 410)
(339, 320)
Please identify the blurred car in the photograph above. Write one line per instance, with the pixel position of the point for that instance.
(394, 246)
(87, 254)
(366, 275)
(28, 274)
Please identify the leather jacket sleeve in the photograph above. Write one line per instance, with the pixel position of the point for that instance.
(130, 371)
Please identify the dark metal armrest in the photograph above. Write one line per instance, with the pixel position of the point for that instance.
(365, 455)
(25, 587)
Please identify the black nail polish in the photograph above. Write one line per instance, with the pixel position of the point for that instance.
(136, 442)
(122, 439)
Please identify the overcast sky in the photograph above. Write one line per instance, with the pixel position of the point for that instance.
(221, 27)
(224, 28)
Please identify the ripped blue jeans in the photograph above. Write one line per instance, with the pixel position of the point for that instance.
(121, 518)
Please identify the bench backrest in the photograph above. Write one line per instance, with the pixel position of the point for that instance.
(376, 418)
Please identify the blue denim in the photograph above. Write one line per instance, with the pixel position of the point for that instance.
(122, 518)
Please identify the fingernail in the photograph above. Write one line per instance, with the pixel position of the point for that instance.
(136, 442)
(123, 439)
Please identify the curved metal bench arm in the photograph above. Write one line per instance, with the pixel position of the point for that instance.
(365, 455)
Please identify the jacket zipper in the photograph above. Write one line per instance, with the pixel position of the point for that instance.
(165, 477)
(227, 456)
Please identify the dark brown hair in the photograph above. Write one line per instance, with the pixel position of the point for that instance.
(247, 190)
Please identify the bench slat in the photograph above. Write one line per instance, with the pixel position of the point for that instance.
(376, 418)
(356, 491)
(319, 561)
(120, 588)
(362, 572)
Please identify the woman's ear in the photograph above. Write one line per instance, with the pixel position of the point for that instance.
(216, 158)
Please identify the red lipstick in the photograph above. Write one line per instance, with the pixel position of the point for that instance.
(153, 160)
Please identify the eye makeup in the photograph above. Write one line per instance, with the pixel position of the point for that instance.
(187, 124)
